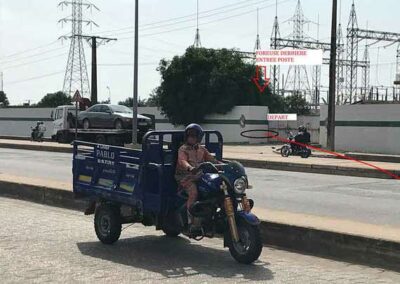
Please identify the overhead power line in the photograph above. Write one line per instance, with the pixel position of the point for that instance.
(30, 56)
(209, 22)
(33, 62)
(192, 16)
(128, 64)
(33, 78)
(28, 50)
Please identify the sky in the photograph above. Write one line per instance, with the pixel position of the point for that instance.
(33, 58)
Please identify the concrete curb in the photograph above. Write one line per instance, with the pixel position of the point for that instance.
(271, 165)
(316, 169)
(24, 138)
(340, 246)
(41, 194)
(374, 158)
(36, 147)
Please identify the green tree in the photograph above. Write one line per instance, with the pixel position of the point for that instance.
(129, 102)
(205, 81)
(152, 101)
(296, 103)
(54, 100)
(3, 99)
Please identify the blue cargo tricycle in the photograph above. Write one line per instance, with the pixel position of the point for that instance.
(138, 186)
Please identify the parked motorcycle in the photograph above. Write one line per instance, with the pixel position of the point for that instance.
(38, 131)
(292, 149)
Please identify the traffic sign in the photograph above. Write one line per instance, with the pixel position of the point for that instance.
(77, 96)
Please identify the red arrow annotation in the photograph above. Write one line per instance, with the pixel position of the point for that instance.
(256, 79)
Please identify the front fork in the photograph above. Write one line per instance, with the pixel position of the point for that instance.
(230, 213)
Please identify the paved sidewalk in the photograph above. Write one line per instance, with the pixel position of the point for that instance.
(46, 244)
(266, 153)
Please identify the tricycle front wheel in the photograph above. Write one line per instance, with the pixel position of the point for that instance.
(107, 223)
(285, 151)
(249, 247)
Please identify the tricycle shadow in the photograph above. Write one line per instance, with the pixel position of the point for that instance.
(175, 258)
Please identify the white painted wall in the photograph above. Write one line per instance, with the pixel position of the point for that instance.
(231, 132)
(384, 140)
(20, 127)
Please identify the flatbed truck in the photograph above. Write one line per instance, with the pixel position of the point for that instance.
(65, 130)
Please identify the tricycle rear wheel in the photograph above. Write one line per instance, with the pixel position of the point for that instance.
(107, 223)
(170, 225)
(172, 233)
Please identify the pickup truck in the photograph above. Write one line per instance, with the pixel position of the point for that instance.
(64, 120)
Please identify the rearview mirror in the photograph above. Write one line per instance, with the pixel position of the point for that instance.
(52, 114)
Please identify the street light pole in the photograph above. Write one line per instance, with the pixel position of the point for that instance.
(93, 96)
(332, 82)
(135, 76)
(109, 94)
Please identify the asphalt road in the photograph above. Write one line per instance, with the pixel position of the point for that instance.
(374, 201)
(40, 244)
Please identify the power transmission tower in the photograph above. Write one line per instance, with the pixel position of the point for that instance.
(197, 42)
(354, 36)
(258, 43)
(340, 67)
(297, 77)
(396, 82)
(316, 79)
(274, 45)
(397, 79)
(352, 55)
(365, 74)
(76, 76)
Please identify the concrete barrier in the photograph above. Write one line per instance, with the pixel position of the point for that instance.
(341, 246)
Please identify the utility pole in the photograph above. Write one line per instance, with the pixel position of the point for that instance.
(109, 94)
(332, 81)
(1, 82)
(93, 95)
(94, 42)
(135, 76)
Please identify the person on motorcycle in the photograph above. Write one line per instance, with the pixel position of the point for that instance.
(302, 136)
(42, 127)
(35, 131)
(38, 131)
(190, 155)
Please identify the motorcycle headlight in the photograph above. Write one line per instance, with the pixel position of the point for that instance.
(240, 185)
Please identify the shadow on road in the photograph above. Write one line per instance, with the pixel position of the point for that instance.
(175, 258)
